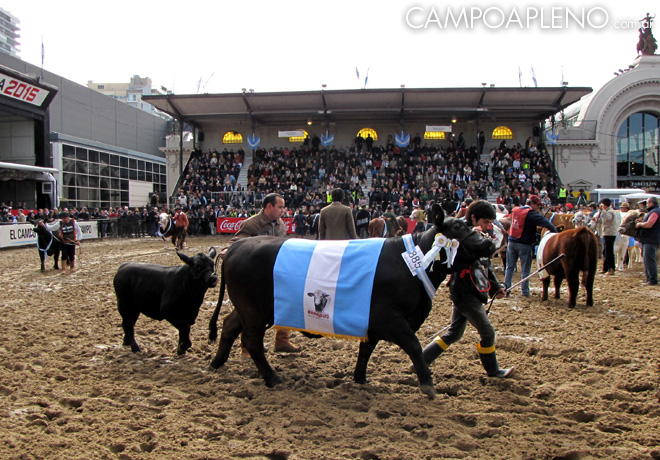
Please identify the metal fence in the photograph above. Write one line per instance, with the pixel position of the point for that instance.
(136, 228)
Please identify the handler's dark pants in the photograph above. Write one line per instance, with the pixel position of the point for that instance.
(477, 316)
(608, 253)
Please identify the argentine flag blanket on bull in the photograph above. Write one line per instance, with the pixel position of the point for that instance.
(324, 287)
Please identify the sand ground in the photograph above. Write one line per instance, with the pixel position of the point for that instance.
(585, 386)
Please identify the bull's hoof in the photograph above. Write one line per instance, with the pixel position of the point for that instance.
(361, 381)
(216, 364)
(135, 348)
(428, 390)
(273, 380)
(181, 351)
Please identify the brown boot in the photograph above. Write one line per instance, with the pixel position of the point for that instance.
(282, 343)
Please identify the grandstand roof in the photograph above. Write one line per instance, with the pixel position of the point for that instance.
(430, 105)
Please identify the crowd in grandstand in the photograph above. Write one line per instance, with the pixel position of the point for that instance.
(402, 179)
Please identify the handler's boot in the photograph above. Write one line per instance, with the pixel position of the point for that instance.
(282, 343)
(432, 351)
(489, 361)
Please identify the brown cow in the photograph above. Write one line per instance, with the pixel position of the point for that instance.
(628, 222)
(580, 246)
(561, 220)
(383, 227)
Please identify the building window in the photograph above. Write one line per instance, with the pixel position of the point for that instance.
(364, 132)
(432, 136)
(502, 132)
(103, 184)
(299, 139)
(232, 137)
(637, 145)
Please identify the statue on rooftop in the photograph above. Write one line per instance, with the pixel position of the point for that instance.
(646, 44)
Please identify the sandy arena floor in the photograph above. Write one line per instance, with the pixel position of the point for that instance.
(585, 386)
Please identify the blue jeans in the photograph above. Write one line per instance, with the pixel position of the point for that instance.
(525, 252)
(650, 262)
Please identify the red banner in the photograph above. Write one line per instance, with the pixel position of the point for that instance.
(231, 224)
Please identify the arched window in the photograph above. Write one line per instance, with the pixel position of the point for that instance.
(364, 132)
(502, 132)
(433, 136)
(232, 137)
(637, 145)
(299, 139)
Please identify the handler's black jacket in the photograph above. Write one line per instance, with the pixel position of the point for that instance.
(463, 285)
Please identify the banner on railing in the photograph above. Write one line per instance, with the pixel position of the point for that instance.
(232, 224)
(24, 235)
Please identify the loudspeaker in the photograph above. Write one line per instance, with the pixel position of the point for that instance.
(200, 136)
(536, 131)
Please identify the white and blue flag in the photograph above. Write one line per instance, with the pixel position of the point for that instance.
(325, 287)
(403, 140)
(327, 139)
(253, 141)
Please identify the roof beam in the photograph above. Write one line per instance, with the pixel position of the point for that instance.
(403, 105)
(177, 114)
(559, 99)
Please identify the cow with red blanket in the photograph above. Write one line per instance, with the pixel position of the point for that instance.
(580, 247)
(399, 301)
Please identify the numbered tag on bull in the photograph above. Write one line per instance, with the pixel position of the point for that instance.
(413, 259)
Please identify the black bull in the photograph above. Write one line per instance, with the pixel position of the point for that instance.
(399, 303)
(47, 245)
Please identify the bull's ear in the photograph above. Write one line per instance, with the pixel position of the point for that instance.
(438, 215)
(184, 258)
(212, 253)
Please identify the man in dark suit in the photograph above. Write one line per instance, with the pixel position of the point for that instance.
(336, 220)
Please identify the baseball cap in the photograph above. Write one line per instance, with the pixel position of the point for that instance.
(534, 199)
(64, 214)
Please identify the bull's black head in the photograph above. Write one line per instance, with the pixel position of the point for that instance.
(202, 266)
(472, 245)
(39, 228)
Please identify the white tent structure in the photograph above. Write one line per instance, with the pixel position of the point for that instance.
(17, 171)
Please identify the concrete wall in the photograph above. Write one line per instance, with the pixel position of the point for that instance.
(17, 141)
(84, 113)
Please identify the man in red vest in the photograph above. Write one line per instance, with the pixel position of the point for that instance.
(522, 237)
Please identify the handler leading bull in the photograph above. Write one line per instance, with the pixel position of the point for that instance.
(468, 290)
(399, 301)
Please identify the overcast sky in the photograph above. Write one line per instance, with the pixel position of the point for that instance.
(300, 45)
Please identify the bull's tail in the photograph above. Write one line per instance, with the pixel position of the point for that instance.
(213, 323)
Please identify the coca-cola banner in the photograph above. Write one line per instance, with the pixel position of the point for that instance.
(231, 224)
